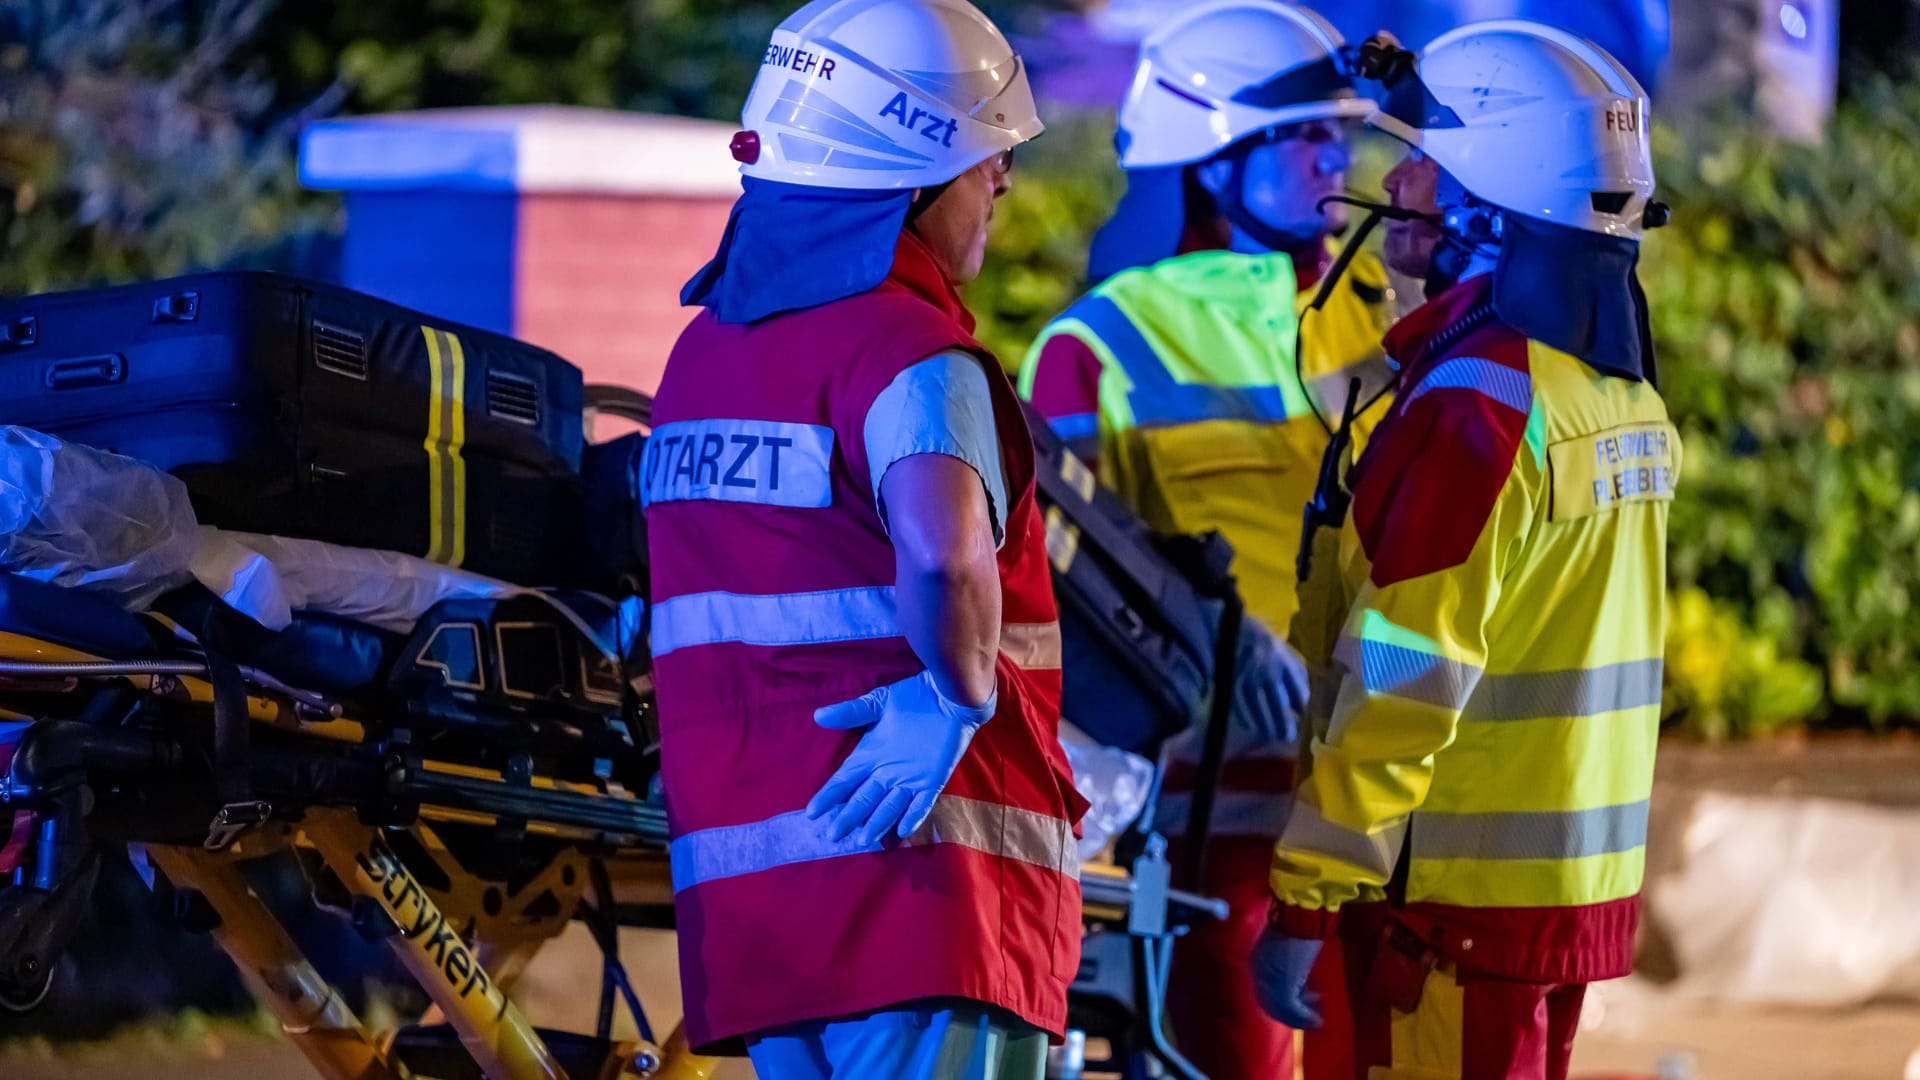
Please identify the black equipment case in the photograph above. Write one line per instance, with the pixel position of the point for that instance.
(303, 409)
(1138, 632)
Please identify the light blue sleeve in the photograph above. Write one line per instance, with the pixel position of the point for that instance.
(941, 405)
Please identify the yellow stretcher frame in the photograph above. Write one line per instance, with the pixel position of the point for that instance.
(472, 996)
(467, 973)
(447, 965)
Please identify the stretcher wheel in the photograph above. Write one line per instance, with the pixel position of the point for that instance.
(26, 973)
(17, 996)
(35, 929)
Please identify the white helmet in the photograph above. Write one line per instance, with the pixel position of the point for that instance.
(1533, 120)
(1222, 71)
(883, 95)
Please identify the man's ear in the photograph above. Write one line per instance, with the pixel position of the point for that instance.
(1214, 176)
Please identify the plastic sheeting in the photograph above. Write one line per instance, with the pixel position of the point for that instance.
(78, 517)
(84, 518)
(1794, 901)
(1115, 783)
(270, 577)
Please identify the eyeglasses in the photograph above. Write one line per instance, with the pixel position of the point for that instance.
(1003, 161)
(1312, 131)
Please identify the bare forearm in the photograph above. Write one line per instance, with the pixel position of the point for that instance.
(951, 617)
(947, 584)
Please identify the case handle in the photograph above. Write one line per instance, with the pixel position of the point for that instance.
(19, 333)
(85, 372)
(177, 307)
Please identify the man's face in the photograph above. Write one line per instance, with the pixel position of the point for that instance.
(955, 226)
(1412, 185)
(1287, 176)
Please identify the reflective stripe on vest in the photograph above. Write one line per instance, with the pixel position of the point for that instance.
(1032, 646)
(1158, 398)
(786, 839)
(1531, 834)
(808, 618)
(1419, 675)
(1075, 425)
(814, 618)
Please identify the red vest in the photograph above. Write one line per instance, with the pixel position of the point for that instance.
(773, 595)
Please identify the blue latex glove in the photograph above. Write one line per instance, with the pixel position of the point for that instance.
(913, 743)
(1270, 686)
(1281, 965)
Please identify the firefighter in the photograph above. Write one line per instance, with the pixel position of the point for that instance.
(1473, 828)
(1178, 377)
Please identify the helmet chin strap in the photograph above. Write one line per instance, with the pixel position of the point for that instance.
(1463, 231)
(1384, 211)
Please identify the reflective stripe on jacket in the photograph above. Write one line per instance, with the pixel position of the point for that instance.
(1501, 664)
(1202, 420)
(1204, 424)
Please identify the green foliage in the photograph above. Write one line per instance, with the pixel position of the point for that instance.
(687, 57)
(1727, 679)
(679, 56)
(142, 138)
(1064, 186)
(129, 148)
(1787, 309)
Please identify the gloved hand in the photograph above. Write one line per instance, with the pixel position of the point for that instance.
(1281, 965)
(913, 743)
(1270, 686)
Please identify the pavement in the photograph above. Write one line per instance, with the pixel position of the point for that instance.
(1630, 1029)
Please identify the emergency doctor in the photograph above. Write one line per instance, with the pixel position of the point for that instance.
(1473, 829)
(1177, 377)
(855, 636)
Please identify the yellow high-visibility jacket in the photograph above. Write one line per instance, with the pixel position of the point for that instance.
(1500, 667)
(1201, 418)
(1200, 421)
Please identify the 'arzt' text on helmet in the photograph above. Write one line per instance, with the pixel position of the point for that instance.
(883, 95)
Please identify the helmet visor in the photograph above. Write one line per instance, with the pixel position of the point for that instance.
(1410, 102)
(1320, 80)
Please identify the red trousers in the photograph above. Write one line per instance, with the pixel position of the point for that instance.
(1217, 1021)
(1464, 1027)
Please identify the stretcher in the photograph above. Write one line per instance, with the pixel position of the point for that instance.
(446, 801)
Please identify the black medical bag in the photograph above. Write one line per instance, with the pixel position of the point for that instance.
(1137, 634)
(303, 409)
(616, 523)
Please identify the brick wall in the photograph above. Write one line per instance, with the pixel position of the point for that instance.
(598, 277)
